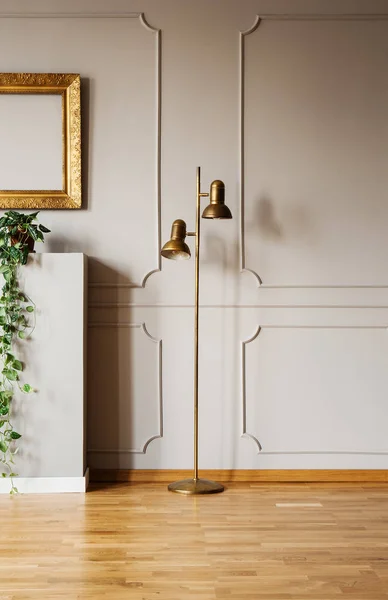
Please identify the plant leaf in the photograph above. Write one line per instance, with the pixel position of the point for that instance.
(32, 231)
(27, 388)
(11, 374)
(9, 358)
(15, 435)
(32, 216)
(30, 309)
(17, 365)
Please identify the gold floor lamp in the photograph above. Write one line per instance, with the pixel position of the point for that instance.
(177, 249)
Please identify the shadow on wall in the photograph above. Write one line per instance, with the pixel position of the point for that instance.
(86, 140)
(269, 222)
(272, 223)
(222, 255)
(279, 224)
(112, 399)
(266, 219)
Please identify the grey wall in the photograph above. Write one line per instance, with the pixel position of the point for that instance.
(294, 289)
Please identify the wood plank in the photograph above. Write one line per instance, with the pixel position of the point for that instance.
(120, 541)
(242, 475)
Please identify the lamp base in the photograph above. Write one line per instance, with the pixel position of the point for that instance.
(196, 486)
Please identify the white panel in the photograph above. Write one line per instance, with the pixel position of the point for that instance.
(318, 390)
(31, 135)
(51, 420)
(125, 397)
(316, 150)
(46, 485)
(120, 133)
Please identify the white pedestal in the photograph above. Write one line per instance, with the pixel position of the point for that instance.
(52, 454)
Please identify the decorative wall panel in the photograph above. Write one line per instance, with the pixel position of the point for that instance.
(315, 389)
(125, 389)
(314, 150)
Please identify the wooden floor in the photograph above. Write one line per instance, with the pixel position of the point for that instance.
(140, 542)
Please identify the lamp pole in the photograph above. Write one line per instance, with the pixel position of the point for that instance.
(196, 321)
(196, 316)
(176, 249)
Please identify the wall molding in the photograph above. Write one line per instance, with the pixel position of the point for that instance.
(71, 15)
(243, 35)
(129, 285)
(245, 433)
(243, 475)
(324, 287)
(322, 17)
(159, 342)
(254, 438)
(158, 57)
(210, 306)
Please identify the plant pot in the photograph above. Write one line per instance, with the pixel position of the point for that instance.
(24, 238)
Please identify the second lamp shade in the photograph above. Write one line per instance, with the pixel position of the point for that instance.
(176, 247)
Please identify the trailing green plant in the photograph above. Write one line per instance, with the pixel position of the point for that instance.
(18, 233)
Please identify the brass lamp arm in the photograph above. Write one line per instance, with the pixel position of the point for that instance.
(200, 195)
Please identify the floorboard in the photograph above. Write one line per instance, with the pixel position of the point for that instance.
(140, 542)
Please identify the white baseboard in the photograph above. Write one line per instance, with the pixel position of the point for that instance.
(46, 485)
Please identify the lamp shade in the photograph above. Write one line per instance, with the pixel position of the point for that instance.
(176, 248)
(217, 208)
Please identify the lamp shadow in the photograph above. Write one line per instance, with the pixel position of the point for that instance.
(222, 255)
(269, 222)
(279, 223)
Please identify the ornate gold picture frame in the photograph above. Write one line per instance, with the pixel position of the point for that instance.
(68, 86)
